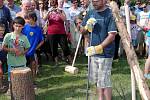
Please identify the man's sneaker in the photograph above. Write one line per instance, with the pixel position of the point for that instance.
(147, 76)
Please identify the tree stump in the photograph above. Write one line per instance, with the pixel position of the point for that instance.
(22, 84)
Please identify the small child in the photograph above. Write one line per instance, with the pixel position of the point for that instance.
(35, 36)
(3, 54)
(134, 31)
(16, 45)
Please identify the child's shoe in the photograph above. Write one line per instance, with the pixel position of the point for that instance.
(147, 76)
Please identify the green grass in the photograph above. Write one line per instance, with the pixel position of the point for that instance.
(55, 84)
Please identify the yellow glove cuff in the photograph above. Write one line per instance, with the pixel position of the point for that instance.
(98, 49)
(89, 28)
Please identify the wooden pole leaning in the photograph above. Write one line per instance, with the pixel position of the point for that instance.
(127, 14)
(22, 84)
(131, 55)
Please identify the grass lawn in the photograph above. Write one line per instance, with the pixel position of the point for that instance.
(55, 84)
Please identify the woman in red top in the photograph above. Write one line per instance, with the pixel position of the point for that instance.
(56, 33)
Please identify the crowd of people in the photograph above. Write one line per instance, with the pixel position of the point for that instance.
(47, 25)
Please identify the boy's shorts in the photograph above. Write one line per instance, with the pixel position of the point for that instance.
(100, 71)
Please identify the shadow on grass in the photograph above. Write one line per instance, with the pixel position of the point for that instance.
(59, 81)
(121, 66)
(126, 96)
(61, 93)
(49, 69)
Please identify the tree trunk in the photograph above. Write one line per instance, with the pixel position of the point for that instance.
(131, 55)
(22, 84)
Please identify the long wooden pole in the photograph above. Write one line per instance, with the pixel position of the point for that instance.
(131, 55)
(127, 14)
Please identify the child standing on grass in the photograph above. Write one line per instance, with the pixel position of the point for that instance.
(3, 58)
(35, 36)
(16, 44)
(134, 31)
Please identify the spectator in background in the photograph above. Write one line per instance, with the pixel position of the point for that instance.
(134, 31)
(56, 31)
(142, 19)
(34, 9)
(25, 9)
(3, 57)
(5, 16)
(67, 21)
(74, 11)
(60, 6)
(14, 9)
(86, 5)
(138, 8)
(66, 4)
(35, 36)
(148, 5)
(43, 8)
(45, 48)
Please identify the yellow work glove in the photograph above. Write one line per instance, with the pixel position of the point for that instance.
(92, 50)
(89, 27)
(90, 24)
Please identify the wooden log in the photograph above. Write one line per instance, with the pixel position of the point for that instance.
(131, 55)
(22, 84)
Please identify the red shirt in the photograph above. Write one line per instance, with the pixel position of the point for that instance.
(56, 24)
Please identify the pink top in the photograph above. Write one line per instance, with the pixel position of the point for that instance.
(56, 24)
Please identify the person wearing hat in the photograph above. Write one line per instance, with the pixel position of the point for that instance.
(134, 31)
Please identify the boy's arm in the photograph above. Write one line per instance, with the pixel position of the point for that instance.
(14, 50)
(5, 48)
(5, 44)
(41, 39)
(25, 51)
(40, 44)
